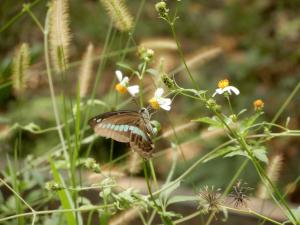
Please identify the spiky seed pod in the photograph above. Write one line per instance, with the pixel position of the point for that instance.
(119, 14)
(20, 69)
(86, 71)
(273, 170)
(210, 199)
(240, 194)
(59, 34)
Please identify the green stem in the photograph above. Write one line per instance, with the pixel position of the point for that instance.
(52, 92)
(17, 16)
(285, 104)
(26, 7)
(229, 103)
(179, 48)
(249, 211)
(141, 79)
(258, 168)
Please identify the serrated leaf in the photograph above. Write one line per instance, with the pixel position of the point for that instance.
(261, 154)
(248, 122)
(235, 153)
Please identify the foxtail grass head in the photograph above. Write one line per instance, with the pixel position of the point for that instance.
(86, 71)
(119, 14)
(59, 34)
(20, 69)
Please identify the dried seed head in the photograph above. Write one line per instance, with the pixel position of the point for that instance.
(20, 69)
(239, 194)
(210, 199)
(59, 34)
(119, 13)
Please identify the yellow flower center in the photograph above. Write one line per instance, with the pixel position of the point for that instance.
(258, 104)
(223, 83)
(154, 104)
(120, 88)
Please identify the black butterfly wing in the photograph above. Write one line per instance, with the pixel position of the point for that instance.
(125, 126)
(141, 145)
(115, 125)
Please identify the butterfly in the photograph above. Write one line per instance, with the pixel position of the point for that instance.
(133, 127)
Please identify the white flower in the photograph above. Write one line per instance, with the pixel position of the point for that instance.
(123, 85)
(160, 102)
(225, 88)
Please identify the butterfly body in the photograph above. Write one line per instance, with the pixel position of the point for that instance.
(126, 126)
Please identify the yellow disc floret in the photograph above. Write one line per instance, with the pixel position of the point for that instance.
(258, 104)
(223, 83)
(154, 104)
(120, 88)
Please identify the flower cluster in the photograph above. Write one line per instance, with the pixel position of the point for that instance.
(123, 86)
(224, 88)
(160, 102)
(210, 199)
(156, 102)
(146, 54)
(258, 105)
(162, 9)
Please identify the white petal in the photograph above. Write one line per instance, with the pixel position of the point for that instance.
(125, 81)
(119, 75)
(164, 101)
(158, 93)
(166, 107)
(235, 90)
(133, 90)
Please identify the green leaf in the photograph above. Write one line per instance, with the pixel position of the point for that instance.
(220, 152)
(125, 66)
(182, 198)
(296, 212)
(241, 112)
(248, 122)
(64, 196)
(164, 195)
(261, 154)
(214, 122)
(235, 153)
